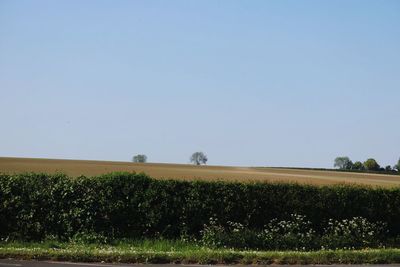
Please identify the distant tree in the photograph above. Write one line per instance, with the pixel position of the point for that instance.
(397, 166)
(139, 158)
(343, 163)
(371, 165)
(358, 166)
(198, 158)
(388, 168)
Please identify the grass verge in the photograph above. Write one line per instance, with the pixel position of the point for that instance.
(179, 252)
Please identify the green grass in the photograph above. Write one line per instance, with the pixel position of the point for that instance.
(164, 251)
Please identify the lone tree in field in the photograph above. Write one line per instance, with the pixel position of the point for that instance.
(343, 163)
(371, 165)
(198, 158)
(139, 158)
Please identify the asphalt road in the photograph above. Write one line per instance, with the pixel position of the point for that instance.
(19, 263)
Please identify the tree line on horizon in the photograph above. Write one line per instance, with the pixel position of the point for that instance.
(197, 158)
(342, 163)
(345, 163)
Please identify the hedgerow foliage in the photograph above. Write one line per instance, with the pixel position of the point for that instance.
(297, 233)
(125, 205)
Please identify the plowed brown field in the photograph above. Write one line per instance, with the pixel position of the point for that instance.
(190, 172)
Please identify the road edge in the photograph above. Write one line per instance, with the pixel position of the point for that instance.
(373, 256)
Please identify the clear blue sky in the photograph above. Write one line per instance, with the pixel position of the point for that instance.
(267, 83)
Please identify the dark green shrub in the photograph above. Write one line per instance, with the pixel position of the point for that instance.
(126, 205)
(35, 205)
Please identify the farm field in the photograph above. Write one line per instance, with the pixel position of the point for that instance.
(190, 172)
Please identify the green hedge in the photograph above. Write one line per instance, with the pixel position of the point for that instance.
(33, 206)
